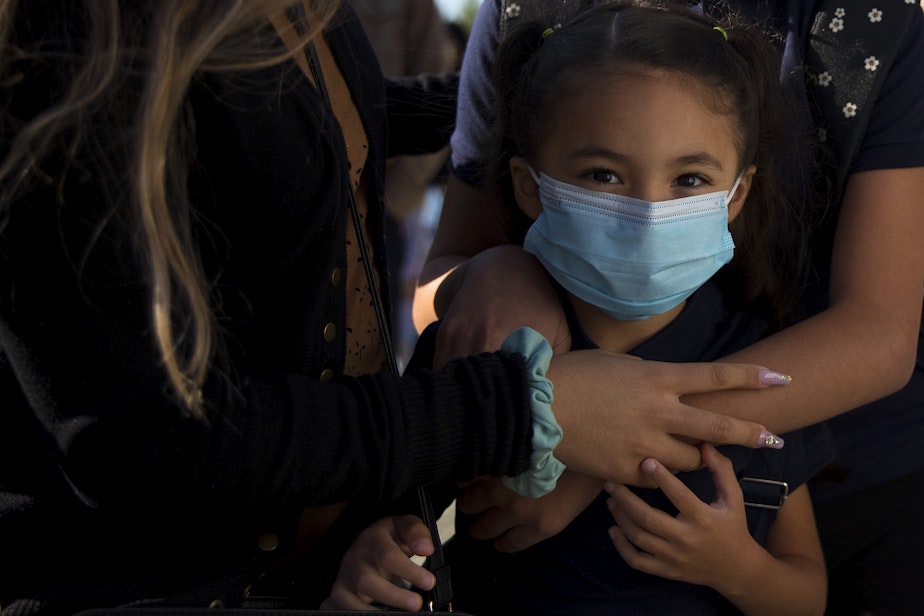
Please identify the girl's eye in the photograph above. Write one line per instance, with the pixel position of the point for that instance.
(605, 176)
(690, 181)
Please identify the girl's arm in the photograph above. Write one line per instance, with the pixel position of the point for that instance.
(709, 543)
(793, 561)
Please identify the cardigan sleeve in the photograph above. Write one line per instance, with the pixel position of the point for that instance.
(87, 409)
(421, 112)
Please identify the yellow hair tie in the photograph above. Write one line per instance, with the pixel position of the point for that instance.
(547, 33)
(722, 31)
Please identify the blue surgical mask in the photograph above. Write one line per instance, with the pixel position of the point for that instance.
(630, 258)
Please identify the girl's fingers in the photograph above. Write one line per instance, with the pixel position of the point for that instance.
(643, 525)
(413, 535)
(343, 599)
(676, 491)
(727, 488)
(641, 560)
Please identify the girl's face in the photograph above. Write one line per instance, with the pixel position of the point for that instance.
(642, 135)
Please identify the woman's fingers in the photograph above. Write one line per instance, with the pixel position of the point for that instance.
(616, 411)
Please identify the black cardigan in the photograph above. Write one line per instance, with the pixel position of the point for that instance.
(109, 491)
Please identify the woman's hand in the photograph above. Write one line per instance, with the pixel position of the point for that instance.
(616, 411)
(373, 567)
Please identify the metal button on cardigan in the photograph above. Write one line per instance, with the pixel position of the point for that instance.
(330, 332)
(267, 542)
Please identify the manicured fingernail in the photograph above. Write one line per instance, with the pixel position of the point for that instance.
(609, 486)
(649, 466)
(770, 440)
(769, 377)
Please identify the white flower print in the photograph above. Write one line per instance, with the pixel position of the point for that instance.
(513, 10)
(872, 63)
(840, 13)
(875, 15)
(850, 110)
(824, 80)
(836, 25)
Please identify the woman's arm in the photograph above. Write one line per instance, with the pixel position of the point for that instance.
(864, 345)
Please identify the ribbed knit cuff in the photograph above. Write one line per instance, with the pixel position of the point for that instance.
(544, 468)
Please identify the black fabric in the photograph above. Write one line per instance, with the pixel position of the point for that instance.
(851, 47)
(871, 540)
(109, 491)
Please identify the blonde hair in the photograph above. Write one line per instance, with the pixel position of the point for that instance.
(183, 38)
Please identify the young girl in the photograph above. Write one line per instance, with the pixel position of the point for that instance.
(630, 139)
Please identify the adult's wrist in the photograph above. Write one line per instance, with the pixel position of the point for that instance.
(544, 469)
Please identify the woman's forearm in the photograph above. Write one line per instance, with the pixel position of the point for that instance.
(838, 361)
(864, 345)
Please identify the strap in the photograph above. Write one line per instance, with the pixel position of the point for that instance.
(851, 47)
(441, 596)
(763, 493)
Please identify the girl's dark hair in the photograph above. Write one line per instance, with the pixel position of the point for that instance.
(539, 64)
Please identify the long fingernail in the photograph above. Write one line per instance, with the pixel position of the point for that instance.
(769, 377)
(770, 440)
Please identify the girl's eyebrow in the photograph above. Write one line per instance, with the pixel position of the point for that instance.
(701, 158)
(596, 151)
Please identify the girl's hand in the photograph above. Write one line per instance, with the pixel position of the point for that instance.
(519, 522)
(377, 561)
(701, 543)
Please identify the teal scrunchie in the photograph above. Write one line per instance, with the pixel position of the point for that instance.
(544, 468)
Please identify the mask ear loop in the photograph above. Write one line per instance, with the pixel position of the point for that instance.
(532, 172)
(734, 189)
